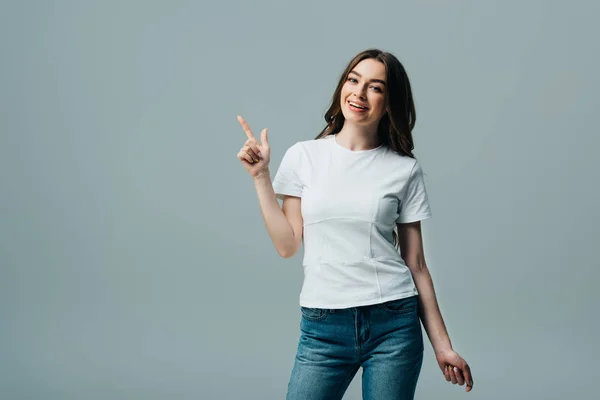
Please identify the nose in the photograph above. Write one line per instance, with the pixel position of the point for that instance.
(360, 93)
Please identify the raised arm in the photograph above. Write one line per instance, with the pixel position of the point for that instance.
(284, 224)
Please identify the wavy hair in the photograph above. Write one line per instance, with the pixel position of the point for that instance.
(396, 125)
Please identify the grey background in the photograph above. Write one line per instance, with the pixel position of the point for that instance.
(134, 263)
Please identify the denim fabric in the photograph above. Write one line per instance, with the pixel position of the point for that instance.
(384, 339)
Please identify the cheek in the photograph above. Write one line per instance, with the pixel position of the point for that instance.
(378, 104)
(343, 94)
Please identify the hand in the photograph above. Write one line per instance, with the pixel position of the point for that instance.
(455, 368)
(254, 157)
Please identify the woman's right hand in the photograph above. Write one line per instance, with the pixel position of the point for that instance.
(255, 157)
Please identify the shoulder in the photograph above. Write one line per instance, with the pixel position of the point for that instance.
(401, 162)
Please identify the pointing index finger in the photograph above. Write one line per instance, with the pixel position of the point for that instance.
(245, 127)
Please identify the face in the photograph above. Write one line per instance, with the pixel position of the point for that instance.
(363, 94)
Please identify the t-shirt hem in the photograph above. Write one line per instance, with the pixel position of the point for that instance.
(368, 302)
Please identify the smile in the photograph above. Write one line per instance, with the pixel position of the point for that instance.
(357, 107)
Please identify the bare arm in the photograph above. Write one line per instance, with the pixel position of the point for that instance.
(411, 249)
(411, 246)
(284, 224)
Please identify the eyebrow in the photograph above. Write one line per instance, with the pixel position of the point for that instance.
(372, 80)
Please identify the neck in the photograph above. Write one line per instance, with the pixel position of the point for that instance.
(355, 137)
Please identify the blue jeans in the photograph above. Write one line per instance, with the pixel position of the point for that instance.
(384, 339)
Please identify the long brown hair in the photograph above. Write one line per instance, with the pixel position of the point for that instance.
(396, 125)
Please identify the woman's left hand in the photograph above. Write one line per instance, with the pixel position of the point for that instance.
(455, 368)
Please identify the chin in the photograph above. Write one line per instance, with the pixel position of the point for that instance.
(358, 120)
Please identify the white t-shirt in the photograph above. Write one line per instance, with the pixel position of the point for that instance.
(351, 201)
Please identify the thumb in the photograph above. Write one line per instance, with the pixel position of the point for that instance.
(264, 137)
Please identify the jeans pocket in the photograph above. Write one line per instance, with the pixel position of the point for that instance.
(314, 314)
(400, 306)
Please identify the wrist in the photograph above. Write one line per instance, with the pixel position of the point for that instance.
(445, 348)
(262, 175)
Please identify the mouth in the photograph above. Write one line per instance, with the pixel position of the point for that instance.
(357, 106)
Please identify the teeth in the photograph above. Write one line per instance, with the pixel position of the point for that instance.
(356, 105)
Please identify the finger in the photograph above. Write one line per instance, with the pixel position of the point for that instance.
(459, 376)
(264, 137)
(245, 127)
(468, 376)
(452, 376)
(250, 141)
(447, 374)
(251, 152)
(253, 144)
(243, 156)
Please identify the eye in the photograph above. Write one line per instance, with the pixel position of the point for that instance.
(352, 80)
(377, 89)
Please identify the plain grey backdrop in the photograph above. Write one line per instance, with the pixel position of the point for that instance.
(134, 263)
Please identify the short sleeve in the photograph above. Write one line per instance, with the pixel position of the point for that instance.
(287, 180)
(414, 204)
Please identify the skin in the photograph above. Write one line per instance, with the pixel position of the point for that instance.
(365, 85)
(453, 366)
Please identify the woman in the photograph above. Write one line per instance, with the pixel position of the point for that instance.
(355, 196)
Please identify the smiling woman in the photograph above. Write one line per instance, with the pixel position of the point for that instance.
(376, 80)
(355, 197)
(363, 97)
